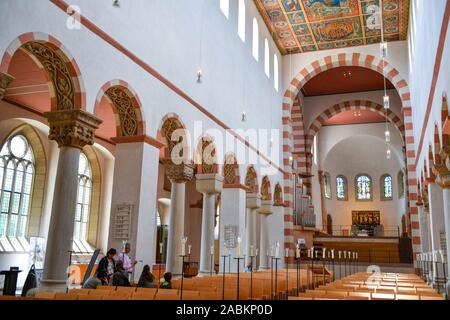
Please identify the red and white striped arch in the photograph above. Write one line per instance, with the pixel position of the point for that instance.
(290, 97)
(136, 102)
(58, 47)
(351, 106)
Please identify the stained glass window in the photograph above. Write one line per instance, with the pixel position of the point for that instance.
(83, 199)
(341, 188)
(16, 180)
(363, 187)
(386, 187)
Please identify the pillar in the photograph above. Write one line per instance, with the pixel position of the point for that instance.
(209, 185)
(72, 130)
(253, 202)
(232, 224)
(436, 214)
(265, 211)
(442, 172)
(423, 225)
(5, 81)
(135, 186)
(178, 175)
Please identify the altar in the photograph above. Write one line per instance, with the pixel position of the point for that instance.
(366, 223)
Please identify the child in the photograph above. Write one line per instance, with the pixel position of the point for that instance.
(167, 278)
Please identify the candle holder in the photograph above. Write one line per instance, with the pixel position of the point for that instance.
(223, 276)
(271, 277)
(312, 272)
(182, 275)
(298, 262)
(238, 272)
(276, 276)
(211, 265)
(287, 278)
(323, 268)
(229, 263)
(251, 277)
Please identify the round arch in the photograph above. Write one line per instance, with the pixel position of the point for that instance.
(68, 91)
(126, 106)
(290, 97)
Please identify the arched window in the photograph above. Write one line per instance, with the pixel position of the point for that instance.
(363, 187)
(401, 184)
(327, 185)
(275, 72)
(341, 188)
(16, 181)
(83, 202)
(225, 7)
(255, 47)
(266, 58)
(386, 187)
(241, 20)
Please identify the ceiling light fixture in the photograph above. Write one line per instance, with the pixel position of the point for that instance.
(386, 99)
(199, 76)
(116, 3)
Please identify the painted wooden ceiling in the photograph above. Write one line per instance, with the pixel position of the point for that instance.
(312, 25)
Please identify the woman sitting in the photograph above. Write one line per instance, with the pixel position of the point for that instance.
(146, 280)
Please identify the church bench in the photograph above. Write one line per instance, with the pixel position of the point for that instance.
(65, 296)
(79, 291)
(125, 294)
(45, 295)
(143, 296)
(146, 290)
(430, 297)
(406, 297)
(100, 292)
(125, 289)
(90, 297)
(209, 295)
(106, 288)
(336, 293)
(191, 295)
(355, 298)
(114, 297)
(383, 296)
(167, 296)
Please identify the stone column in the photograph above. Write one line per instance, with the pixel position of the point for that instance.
(134, 163)
(442, 173)
(232, 223)
(178, 174)
(265, 211)
(209, 185)
(5, 81)
(423, 223)
(72, 130)
(253, 202)
(436, 202)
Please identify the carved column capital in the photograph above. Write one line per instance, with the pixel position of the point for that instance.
(5, 81)
(179, 173)
(442, 175)
(72, 128)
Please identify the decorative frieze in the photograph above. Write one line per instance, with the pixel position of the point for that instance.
(125, 109)
(5, 81)
(72, 128)
(58, 72)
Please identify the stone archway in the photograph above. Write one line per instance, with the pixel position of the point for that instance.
(290, 98)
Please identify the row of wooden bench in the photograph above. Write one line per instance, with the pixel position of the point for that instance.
(368, 287)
